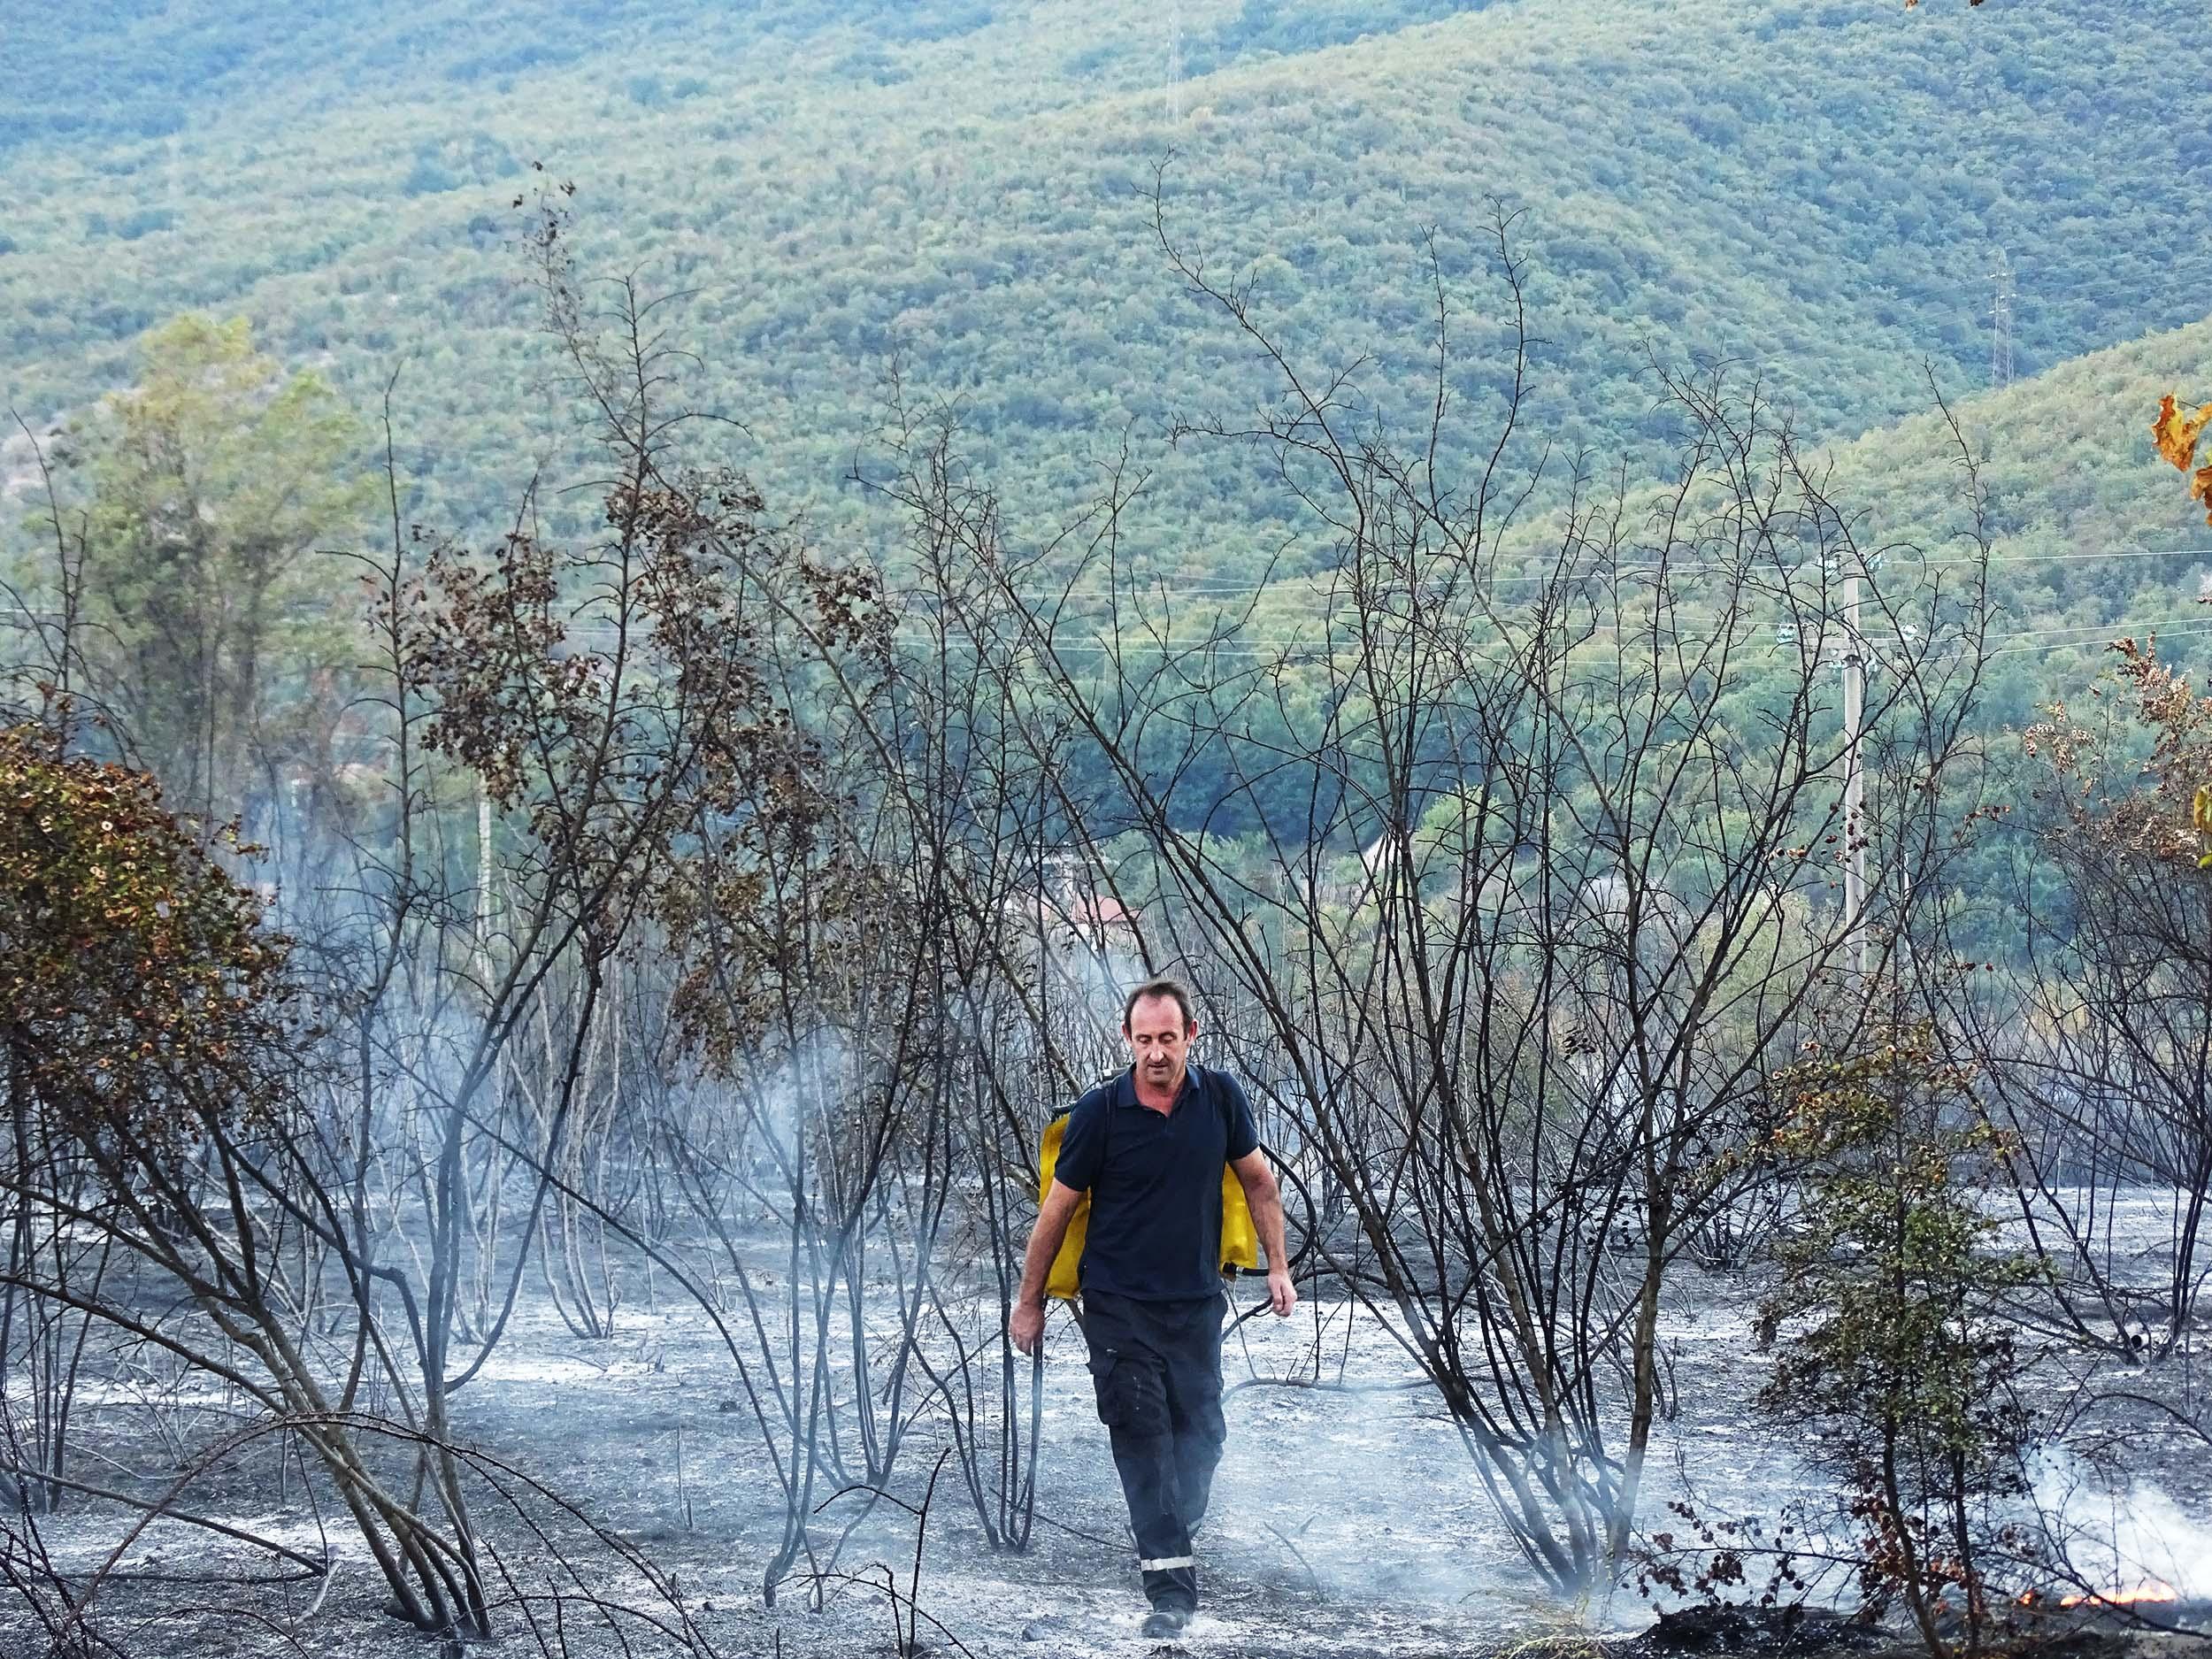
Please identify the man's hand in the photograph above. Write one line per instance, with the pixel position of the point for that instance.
(1266, 1201)
(1027, 1323)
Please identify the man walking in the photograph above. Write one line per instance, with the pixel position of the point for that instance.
(1148, 1147)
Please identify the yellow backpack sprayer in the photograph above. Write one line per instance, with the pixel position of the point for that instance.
(1240, 1238)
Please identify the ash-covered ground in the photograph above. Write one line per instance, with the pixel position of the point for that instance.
(1348, 1517)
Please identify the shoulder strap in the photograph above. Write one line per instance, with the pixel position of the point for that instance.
(1215, 1093)
(1104, 1086)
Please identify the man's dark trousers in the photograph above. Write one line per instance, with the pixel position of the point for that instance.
(1156, 1367)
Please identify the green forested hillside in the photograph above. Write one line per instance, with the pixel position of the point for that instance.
(2092, 535)
(1816, 189)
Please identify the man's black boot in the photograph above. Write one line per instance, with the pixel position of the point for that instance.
(1165, 1621)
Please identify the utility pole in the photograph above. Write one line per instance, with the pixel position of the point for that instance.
(1854, 778)
(1174, 63)
(2001, 324)
(483, 918)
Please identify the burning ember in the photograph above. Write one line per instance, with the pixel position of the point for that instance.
(2150, 1590)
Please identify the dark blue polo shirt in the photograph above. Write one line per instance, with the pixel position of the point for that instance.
(1155, 1183)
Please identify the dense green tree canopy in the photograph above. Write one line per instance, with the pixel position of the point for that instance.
(1815, 188)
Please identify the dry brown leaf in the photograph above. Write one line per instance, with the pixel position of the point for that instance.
(2176, 433)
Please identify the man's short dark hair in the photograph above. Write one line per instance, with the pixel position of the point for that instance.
(1171, 988)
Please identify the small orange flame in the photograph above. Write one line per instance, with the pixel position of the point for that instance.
(2149, 1590)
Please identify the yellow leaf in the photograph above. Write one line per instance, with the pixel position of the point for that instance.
(2200, 489)
(2176, 433)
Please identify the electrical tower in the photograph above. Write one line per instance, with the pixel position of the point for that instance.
(2001, 324)
(1174, 63)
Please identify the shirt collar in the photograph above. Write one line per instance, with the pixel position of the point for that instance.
(1125, 1087)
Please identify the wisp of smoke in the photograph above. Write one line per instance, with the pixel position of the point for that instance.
(2118, 1538)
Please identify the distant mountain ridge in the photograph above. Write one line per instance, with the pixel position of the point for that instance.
(1814, 189)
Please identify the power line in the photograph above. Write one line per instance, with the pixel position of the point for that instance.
(1227, 587)
(2179, 626)
(1263, 644)
(1233, 645)
(1209, 587)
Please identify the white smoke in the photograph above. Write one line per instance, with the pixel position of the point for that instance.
(2122, 1539)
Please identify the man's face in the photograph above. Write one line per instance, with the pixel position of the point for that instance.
(1159, 1041)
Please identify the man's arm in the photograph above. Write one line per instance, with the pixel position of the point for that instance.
(1266, 1201)
(1027, 1323)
